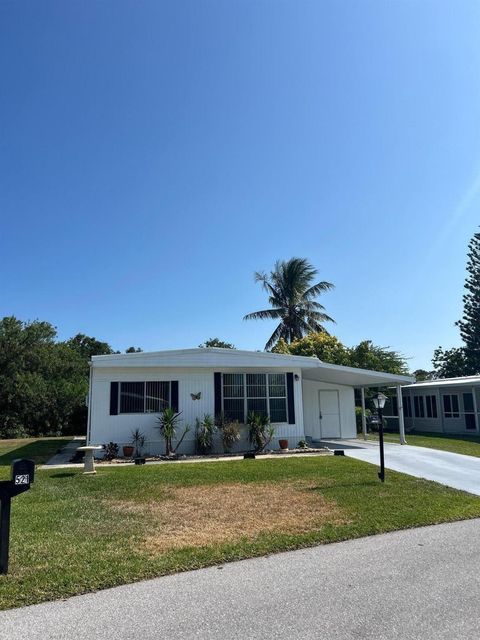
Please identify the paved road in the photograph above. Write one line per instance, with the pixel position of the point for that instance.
(417, 584)
(452, 469)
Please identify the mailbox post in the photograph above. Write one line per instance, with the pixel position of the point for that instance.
(23, 472)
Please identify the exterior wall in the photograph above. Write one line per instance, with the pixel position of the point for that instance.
(311, 409)
(441, 424)
(104, 428)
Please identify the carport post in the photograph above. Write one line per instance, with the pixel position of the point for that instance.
(364, 418)
(401, 421)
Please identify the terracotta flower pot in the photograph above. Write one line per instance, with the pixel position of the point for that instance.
(128, 451)
(283, 444)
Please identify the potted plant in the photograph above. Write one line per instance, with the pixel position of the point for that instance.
(283, 442)
(128, 450)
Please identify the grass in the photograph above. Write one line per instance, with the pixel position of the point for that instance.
(74, 534)
(465, 444)
(37, 449)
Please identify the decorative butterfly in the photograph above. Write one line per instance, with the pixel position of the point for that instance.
(196, 396)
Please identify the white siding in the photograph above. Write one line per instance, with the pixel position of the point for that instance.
(311, 408)
(117, 428)
(441, 424)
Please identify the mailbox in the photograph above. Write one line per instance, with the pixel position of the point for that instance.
(23, 472)
(22, 475)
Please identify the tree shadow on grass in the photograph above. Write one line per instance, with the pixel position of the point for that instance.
(39, 451)
(66, 474)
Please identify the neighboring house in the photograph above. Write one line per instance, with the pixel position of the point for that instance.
(447, 405)
(304, 397)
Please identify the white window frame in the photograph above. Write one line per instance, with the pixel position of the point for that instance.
(451, 415)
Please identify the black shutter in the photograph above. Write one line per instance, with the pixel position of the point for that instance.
(217, 377)
(114, 398)
(290, 399)
(174, 395)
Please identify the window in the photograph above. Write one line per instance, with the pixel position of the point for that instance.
(144, 397)
(234, 396)
(407, 407)
(419, 406)
(450, 406)
(259, 392)
(469, 409)
(277, 393)
(431, 402)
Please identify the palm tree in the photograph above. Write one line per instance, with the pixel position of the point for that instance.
(291, 295)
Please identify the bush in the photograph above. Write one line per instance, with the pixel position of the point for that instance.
(358, 418)
(204, 433)
(260, 430)
(230, 435)
(168, 423)
(111, 451)
(12, 428)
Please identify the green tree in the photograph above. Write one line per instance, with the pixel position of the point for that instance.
(319, 345)
(329, 349)
(132, 350)
(292, 298)
(42, 381)
(216, 342)
(422, 374)
(366, 355)
(86, 346)
(450, 363)
(469, 325)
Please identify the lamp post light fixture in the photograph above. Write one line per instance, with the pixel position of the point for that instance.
(379, 402)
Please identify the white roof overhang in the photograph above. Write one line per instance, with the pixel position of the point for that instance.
(311, 368)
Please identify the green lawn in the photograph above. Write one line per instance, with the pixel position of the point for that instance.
(37, 449)
(73, 534)
(468, 445)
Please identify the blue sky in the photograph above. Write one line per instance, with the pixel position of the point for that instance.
(155, 154)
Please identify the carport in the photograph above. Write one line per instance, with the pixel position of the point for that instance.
(328, 398)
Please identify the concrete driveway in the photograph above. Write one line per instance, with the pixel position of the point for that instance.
(420, 583)
(451, 469)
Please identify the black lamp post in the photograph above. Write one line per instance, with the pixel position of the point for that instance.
(379, 402)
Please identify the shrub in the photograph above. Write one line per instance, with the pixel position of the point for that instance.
(358, 418)
(138, 441)
(260, 431)
(204, 433)
(169, 421)
(111, 451)
(302, 444)
(230, 435)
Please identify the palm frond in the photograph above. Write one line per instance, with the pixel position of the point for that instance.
(318, 288)
(265, 314)
(275, 337)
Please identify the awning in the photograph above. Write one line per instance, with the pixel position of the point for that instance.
(352, 377)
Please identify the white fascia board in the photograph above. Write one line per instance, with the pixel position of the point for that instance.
(203, 357)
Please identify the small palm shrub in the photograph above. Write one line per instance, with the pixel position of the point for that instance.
(168, 424)
(138, 441)
(260, 431)
(204, 433)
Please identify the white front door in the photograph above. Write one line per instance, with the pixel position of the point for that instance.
(329, 414)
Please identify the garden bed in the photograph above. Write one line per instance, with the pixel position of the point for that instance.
(217, 456)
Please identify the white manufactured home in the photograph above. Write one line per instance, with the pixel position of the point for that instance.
(304, 397)
(447, 405)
